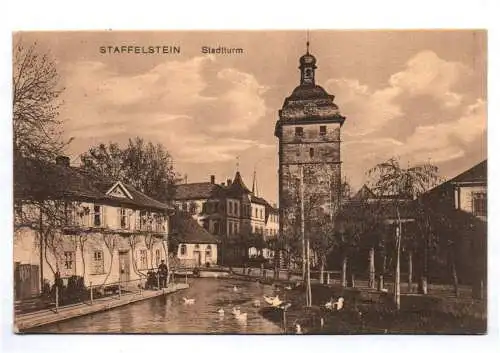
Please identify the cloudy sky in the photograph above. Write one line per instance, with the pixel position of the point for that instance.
(419, 95)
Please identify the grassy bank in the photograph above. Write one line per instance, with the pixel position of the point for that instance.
(372, 312)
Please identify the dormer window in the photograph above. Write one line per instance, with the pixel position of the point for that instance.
(299, 131)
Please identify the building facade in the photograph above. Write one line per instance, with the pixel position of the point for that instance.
(230, 211)
(308, 130)
(103, 231)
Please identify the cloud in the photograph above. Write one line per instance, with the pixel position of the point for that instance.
(167, 103)
(428, 74)
(418, 115)
(425, 75)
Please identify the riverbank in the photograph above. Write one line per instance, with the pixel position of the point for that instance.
(44, 317)
(374, 314)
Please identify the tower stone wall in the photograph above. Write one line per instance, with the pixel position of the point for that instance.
(308, 130)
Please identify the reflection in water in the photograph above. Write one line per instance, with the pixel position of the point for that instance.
(169, 314)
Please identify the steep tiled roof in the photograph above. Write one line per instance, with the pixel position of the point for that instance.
(237, 186)
(186, 230)
(42, 180)
(260, 201)
(196, 191)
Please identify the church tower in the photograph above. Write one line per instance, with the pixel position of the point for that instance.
(308, 130)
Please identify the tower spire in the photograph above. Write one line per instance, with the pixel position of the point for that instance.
(307, 43)
(255, 188)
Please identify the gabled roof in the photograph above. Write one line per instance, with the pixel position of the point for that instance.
(259, 200)
(43, 180)
(478, 173)
(186, 230)
(197, 191)
(364, 193)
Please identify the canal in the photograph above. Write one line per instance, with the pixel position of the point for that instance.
(169, 314)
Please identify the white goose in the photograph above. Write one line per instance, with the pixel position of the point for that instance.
(331, 305)
(273, 301)
(235, 289)
(239, 315)
(256, 303)
(289, 287)
(188, 301)
(221, 312)
(298, 329)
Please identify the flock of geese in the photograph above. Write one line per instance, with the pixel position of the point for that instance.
(273, 301)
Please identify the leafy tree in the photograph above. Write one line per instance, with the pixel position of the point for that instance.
(391, 179)
(145, 166)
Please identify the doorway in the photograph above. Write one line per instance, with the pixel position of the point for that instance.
(124, 259)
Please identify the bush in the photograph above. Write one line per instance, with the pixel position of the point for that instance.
(196, 272)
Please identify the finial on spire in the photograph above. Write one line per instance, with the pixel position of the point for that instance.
(237, 163)
(307, 43)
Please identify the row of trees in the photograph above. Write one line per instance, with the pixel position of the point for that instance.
(372, 233)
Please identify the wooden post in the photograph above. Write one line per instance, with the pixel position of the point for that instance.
(57, 298)
(91, 294)
(284, 320)
(186, 277)
(158, 278)
(120, 290)
(397, 288)
(328, 278)
(140, 285)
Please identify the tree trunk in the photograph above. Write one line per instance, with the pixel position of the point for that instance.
(371, 268)
(454, 274)
(309, 294)
(410, 271)
(344, 271)
(41, 247)
(322, 271)
(422, 284)
(380, 284)
(397, 274)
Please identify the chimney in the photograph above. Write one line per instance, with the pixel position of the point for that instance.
(212, 179)
(229, 182)
(62, 160)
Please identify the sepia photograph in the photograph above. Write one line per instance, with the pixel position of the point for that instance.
(279, 182)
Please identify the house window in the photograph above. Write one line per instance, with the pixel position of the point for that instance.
(97, 216)
(230, 228)
(236, 209)
(184, 207)
(124, 221)
(311, 152)
(322, 130)
(183, 249)
(236, 228)
(143, 262)
(230, 211)
(69, 260)
(208, 251)
(261, 216)
(157, 257)
(299, 131)
(98, 262)
(479, 203)
(216, 228)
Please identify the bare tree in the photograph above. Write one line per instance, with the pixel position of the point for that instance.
(37, 129)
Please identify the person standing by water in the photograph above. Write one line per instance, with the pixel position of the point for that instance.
(163, 273)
